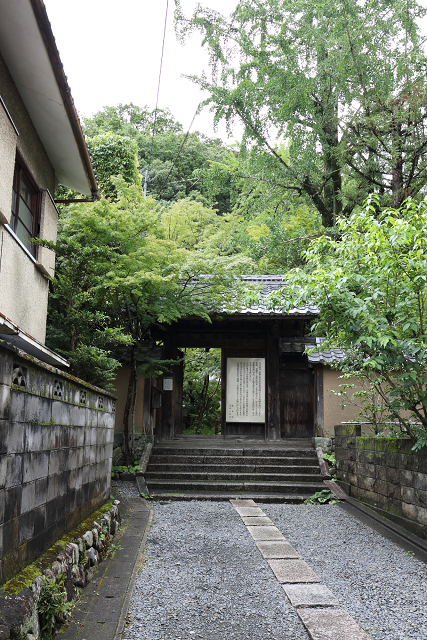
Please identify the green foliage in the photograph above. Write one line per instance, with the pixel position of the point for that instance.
(52, 606)
(370, 288)
(202, 391)
(330, 457)
(130, 120)
(322, 497)
(173, 165)
(113, 155)
(125, 469)
(344, 82)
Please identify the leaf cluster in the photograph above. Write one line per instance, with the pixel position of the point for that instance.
(370, 288)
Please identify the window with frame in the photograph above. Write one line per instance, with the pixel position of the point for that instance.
(25, 219)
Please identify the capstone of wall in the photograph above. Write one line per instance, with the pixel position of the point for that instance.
(56, 444)
(384, 473)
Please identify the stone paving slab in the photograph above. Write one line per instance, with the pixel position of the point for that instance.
(279, 549)
(293, 571)
(243, 503)
(256, 521)
(265, 533)
(100, 613)
(331, 624)
(310, 595)
(249, 511)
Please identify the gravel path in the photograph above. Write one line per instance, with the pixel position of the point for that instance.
(382, 588)
(205, 578)
(124, 488)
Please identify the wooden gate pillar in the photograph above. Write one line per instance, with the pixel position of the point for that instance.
(171, 421)
(273, 384)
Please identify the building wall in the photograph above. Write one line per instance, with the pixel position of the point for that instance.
(56, 445)
(333, 412)
(19, 271)
(386, 474)
(120, 389)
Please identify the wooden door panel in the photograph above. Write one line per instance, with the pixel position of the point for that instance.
(296, 403)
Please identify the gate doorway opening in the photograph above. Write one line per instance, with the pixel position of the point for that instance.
(201, 392)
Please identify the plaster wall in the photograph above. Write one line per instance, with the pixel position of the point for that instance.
(56, 445)
(23, 287)
(120, 390)
(333, 412)
(8, 138)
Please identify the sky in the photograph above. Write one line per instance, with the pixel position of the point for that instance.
(111, 53)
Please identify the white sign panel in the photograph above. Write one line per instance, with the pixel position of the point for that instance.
(245, 390)
(167, 384)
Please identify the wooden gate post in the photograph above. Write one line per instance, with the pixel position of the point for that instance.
(273, 384)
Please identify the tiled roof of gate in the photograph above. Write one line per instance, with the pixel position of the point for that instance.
(295, 345)
(269, 284)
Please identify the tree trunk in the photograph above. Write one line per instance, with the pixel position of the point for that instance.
(129, 408)
(397, 170)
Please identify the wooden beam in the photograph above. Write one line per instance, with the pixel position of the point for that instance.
(223, 392)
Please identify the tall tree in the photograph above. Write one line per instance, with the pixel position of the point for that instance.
(343, 80)
(172, 156)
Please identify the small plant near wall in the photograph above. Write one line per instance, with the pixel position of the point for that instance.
(330, 457)
(322, 497)
(124, 469)
(52, 606)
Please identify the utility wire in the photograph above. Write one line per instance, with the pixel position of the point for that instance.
(157, 100)
(179, 151)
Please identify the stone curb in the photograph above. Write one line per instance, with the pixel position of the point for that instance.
(94, 619)
(131, 585)
(315, 605)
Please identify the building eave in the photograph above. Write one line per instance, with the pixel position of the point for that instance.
(28, 47)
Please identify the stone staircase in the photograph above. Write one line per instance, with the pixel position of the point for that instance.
(220, 470)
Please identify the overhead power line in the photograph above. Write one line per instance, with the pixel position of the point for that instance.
(179, 150)
(157, 100)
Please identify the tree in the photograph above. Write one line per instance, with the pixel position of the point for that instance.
(114, 155)
(343, 82)
(171, 155)
(202, 390)
(119, 275)
(370, 287)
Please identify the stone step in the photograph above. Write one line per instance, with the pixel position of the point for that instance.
(289, 498)
(160, 450)
(179, 485)
(234, 460)
(150, 476)
(229, 468)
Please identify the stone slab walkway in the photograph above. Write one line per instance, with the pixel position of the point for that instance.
(101, 612)
(296, 577)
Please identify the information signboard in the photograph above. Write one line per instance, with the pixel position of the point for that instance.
(245, 390)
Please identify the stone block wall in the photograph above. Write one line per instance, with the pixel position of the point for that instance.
(56, 443)
(385, 474)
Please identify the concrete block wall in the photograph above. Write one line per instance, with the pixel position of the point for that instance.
(386, 474)
(56, 444)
